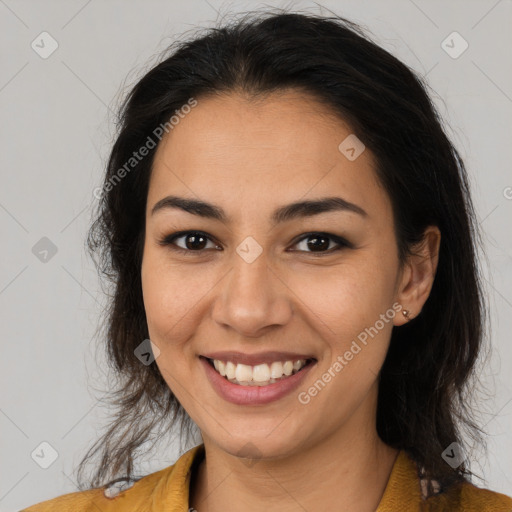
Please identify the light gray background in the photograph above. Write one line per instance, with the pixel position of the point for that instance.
(56, 132)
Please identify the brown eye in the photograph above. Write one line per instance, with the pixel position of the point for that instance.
(318, 243)
(321, 243)
(191, 241)
(195, 242)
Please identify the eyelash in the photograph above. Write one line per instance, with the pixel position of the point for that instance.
(169, 242)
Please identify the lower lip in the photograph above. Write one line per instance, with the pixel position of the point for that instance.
(253, 395)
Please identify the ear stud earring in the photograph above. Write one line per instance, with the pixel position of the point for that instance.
(406, 313)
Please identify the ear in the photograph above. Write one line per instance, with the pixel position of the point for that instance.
(417, 276)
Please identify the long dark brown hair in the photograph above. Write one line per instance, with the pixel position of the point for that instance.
(424, 381)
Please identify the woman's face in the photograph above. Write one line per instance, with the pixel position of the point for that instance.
(260, 288)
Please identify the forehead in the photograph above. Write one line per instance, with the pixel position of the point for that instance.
(284, 146)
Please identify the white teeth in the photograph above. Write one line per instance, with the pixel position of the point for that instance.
(243, 373)
(288, 367)
(276, 370)
(230, 370)
(220, 367)
(259, 375)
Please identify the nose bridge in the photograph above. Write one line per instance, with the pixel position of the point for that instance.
(251, 298)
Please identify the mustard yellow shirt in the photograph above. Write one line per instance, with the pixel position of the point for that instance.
(168, 491)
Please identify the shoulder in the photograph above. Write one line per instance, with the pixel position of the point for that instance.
(155, 491)
(483, 500)
(110, 498)
(407, 490)
(466, 497)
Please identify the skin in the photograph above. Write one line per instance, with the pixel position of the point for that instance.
(250, 157)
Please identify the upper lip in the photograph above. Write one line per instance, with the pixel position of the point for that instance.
(255, 359)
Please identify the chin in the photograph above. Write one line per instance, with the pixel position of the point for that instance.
(255, 447)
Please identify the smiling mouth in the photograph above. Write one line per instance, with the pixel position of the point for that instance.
(259, 375)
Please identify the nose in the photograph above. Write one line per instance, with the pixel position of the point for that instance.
(253, 298)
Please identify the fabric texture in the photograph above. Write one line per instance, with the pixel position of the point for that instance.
(168, 491)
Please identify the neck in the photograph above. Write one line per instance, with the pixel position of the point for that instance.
(346, 471)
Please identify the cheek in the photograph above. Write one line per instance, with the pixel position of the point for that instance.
(175, 299)
(347, 297)
(345, 303)
(163, 310)
(168, 304)
(170, 297)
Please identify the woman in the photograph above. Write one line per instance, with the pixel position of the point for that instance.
(285, 219)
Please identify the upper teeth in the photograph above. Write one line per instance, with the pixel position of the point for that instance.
(259, 373)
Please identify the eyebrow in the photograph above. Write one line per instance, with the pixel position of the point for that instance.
(285, 213)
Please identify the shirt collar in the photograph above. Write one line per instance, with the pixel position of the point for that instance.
(172, 492)
(402, 491)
